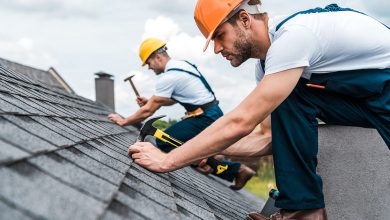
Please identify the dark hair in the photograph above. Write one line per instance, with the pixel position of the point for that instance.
(162, 50)
(233, 20)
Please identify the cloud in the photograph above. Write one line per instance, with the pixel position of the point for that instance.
(56, 8)
(24, 49)
(181, 45)
(80, 38)
(231, 85)
(161, 27)
(379, 9)
(172, 7)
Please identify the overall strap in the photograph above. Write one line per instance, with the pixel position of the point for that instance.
(329, 8)
(190, 107)
(200, 76)
(262, 63)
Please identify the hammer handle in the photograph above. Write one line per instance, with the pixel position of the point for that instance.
(133, 86)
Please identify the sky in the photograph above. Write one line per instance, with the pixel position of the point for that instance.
(80, 38)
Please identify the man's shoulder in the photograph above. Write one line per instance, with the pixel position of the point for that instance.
(178, 65)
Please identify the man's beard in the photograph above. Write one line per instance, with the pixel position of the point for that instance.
(242, 49)
(158, 71)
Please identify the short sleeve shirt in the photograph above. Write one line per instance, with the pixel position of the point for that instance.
(326, 42)
(181, 86)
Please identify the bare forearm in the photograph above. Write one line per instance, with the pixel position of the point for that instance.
(238, 123)
(256, 144)
(138, 116)
(151, 106)
(224, 131)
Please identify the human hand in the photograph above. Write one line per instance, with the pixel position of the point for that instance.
(150, 157)
(203, 167)
(141, 101)
(117, 119)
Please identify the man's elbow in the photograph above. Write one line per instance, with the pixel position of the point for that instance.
(146, 112)
(242, 125)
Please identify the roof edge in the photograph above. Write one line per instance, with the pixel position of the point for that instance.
(57, 76)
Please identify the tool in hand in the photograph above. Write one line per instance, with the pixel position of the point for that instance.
(149, 129)
(132, 84)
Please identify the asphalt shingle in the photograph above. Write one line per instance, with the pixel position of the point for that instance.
(23, 139)
(75, 176)
(183, 195)
(161, 177)
(103, 157)
(143, 205)
(31, 189)
(39, 130)
(8, 107)
(69, 122)
(61, 158)
(58, 128)
(7, 212)
(111, 150)
(44, 77)
(186, 215)
(19, 104)
(117, 211)
(10, 153)
(193, 208)
(92, 165)
(163, 198)
(161, 185)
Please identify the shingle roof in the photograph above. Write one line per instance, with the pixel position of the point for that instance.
(61, 158)
(49, 78)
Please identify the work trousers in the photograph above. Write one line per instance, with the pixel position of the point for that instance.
(190, 127)
(352, 98)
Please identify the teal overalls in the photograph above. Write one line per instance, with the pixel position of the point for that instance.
(352, 98)
(190, 127)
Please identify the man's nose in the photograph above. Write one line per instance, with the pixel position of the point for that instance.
(217, 47)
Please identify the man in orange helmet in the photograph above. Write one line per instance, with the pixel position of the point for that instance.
(316, 63)
(181, 82)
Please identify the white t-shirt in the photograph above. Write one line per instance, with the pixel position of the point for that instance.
(326, 42)
(182, 86)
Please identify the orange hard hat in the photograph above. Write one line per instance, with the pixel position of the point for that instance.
(209, 14)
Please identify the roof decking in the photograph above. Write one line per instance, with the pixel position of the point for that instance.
(61, 158)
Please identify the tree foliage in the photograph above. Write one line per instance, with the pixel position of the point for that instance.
(163, 124)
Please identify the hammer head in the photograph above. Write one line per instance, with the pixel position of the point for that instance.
(128, 78)
(147, 128)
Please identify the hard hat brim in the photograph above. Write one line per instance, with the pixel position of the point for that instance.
(208, 40)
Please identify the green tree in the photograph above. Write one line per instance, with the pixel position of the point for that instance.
(162, 124)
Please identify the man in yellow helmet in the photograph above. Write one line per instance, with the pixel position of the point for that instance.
(181, 82)
(330, 63)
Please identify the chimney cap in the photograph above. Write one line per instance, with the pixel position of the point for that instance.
(102, 74)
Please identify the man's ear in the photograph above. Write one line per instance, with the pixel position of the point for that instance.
(158, 57)
(245, 19)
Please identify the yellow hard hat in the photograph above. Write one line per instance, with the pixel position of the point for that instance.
(148, 46)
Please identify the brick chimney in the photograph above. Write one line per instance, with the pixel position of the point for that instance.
(104, 89)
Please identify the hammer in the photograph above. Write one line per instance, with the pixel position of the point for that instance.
(149, 129)
(132, 84)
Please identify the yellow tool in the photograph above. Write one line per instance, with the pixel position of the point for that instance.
(149, 129)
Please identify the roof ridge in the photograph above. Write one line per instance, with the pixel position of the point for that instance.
(7, 60)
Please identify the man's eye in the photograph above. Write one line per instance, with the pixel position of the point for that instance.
(220, 35)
